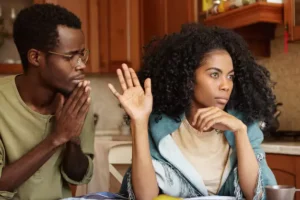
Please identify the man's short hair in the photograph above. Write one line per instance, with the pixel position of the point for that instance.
(36, 27)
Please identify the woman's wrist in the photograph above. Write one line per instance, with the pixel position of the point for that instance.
(241, 131)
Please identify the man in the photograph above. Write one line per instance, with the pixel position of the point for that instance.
(46, 129)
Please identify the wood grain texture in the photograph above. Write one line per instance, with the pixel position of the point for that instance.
(247, 15)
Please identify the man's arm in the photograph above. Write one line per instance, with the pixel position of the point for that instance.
(75, 163)
(16, 173)
(69, 121)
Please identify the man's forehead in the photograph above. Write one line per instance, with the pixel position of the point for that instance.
(70, 38)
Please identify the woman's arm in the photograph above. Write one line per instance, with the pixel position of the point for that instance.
(247, 163)
(143, 174)
(138, 105)
(248, 168)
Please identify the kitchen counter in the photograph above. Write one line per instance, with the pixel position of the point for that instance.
(282, 145)
(287, 146)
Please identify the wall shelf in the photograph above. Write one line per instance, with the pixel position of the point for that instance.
(256, 23)
(260, 12)
(11, 68)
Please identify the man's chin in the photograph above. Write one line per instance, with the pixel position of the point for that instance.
(66, 92)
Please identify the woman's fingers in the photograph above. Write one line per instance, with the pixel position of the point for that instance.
(204, 125)
(216, 120)
(147, 86)
(121, 79)
(203, 115)
(127, 76)
(113, 90)
(134, 77)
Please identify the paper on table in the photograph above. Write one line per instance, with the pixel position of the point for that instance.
(212, 198)
(98, 195)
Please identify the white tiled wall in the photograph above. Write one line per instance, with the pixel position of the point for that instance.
(105, 104)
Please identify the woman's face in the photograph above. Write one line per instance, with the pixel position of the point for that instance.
(214, 80)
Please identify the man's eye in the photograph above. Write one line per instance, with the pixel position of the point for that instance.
(70, 57)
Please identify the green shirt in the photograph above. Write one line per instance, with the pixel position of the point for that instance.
(21, 129)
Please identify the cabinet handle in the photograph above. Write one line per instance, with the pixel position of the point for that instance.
(286, 38)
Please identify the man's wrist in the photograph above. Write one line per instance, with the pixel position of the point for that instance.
(55, 141)
(75, 140)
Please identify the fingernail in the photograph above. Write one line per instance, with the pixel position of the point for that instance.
(205, 128)
(89, 99)
(87, 89)
(79, 85)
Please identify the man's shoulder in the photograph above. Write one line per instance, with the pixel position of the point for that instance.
(7, 91)
(6, 82)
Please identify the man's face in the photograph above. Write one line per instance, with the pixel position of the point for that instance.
(60, 72)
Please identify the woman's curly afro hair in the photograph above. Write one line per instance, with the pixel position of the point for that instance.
(171, 62)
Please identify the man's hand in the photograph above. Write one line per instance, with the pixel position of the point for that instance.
(70, 115)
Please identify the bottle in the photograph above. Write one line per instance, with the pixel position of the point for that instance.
(223, 6)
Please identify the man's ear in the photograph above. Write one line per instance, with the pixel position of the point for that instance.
(34, 57)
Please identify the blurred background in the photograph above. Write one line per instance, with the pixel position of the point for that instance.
(116, 31)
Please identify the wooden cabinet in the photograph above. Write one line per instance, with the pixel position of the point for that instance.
(292, 18)
(286, 169)
(116, 30)
(256, 23)
(160, 17)
(8, 52)
(87, 12)
(119, 34)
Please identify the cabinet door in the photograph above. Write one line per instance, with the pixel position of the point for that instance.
(9, 50)
(87, 12)
(286, 169)
(161, 17)
(292, 18)
(119, 32)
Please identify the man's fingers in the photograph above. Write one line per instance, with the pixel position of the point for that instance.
(84, 96)
(59, 103)
(76, 97)
(73, 94)
(84, 109)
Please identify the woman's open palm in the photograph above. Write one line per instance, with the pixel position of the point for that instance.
(136, 102)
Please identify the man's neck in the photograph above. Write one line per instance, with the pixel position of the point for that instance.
(35, 95)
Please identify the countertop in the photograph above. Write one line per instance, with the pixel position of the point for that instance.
(282, 145)
(287, 146)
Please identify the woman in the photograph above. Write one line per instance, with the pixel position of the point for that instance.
(201, 136)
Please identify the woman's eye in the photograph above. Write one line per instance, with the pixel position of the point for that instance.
(231, 77)
(214, 75)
